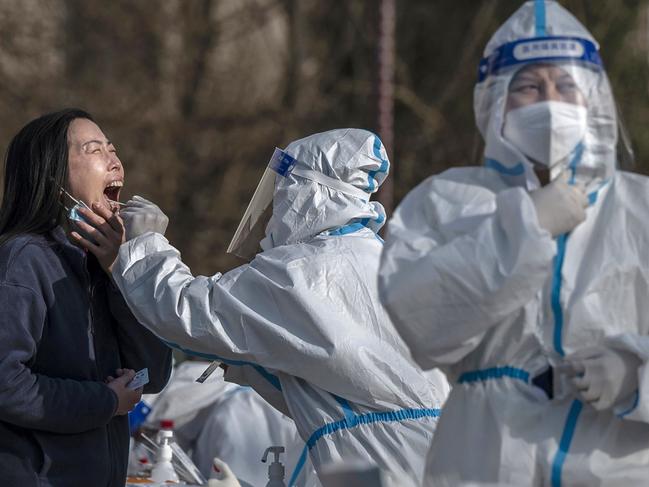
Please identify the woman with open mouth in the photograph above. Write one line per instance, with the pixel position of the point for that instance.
(69, 346)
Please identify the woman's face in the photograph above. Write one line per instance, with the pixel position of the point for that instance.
(95, 173)
(543, 82)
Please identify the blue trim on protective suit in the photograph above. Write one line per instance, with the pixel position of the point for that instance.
(574, 162)
(575, 409)
(636, 401)
(347, 408)
(592, 197)
(235, 391)
(347, 229)
(517, 170)
(539, 18)
(494, 373)
(564, 444)
(556, 293)
(383, 168)
(562, 243)
(274, 381)
(356, 226)
(357, 420)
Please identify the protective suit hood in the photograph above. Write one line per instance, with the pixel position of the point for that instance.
(303, 207)
(543, 32)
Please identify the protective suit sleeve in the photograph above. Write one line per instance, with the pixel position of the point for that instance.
(635, 408)
(32, 400)
(459, 259)
(274, 314)
(165, 297)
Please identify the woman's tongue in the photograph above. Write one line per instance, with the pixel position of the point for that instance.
(111, 195)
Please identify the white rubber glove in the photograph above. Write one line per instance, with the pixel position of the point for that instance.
(222, 476)
(141, 216)
(605, 376)
(560, 207)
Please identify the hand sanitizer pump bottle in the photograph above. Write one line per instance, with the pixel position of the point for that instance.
(163, 470)
(275, 469)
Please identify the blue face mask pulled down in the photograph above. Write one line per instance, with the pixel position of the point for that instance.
(74, 215)
(73, 212)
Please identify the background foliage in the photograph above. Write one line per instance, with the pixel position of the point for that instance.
(197, 93)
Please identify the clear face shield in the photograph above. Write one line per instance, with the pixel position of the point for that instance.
(548, 101)
(252, 228)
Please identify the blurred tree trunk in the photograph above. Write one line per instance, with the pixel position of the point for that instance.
(293, 79)
(385, 94)
(198, 37)
(196, 93)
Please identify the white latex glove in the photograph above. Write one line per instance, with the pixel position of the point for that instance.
(560, 207)
(605, 376)
(222, 476)
(141, 216)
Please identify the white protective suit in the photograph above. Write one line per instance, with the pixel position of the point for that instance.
(478, 288)
(302, 322)
(232, 422)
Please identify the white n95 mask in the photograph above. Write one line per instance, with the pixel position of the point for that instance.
(546, 132)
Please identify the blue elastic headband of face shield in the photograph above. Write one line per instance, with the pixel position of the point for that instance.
(538, 50)
(282, 162)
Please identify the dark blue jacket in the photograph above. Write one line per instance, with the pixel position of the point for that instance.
(64, 328)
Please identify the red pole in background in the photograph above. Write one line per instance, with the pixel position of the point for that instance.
(385, 94)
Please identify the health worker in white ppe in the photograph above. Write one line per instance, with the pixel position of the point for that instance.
(302, 322)
(527, 280)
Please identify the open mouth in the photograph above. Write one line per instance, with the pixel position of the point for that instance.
(112, 190)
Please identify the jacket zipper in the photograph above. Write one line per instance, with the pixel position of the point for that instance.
(93, 356)
(91, 324)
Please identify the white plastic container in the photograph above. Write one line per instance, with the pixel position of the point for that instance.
(163, 470)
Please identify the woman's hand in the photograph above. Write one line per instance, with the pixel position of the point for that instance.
(106, 231)
(126, 398)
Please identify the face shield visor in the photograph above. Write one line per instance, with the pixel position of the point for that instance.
(545, 105)
(252, 227)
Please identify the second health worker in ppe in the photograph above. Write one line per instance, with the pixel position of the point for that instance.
(302, 323)
(527, 280)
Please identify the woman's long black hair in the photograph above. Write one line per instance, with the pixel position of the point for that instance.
(36, 168)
